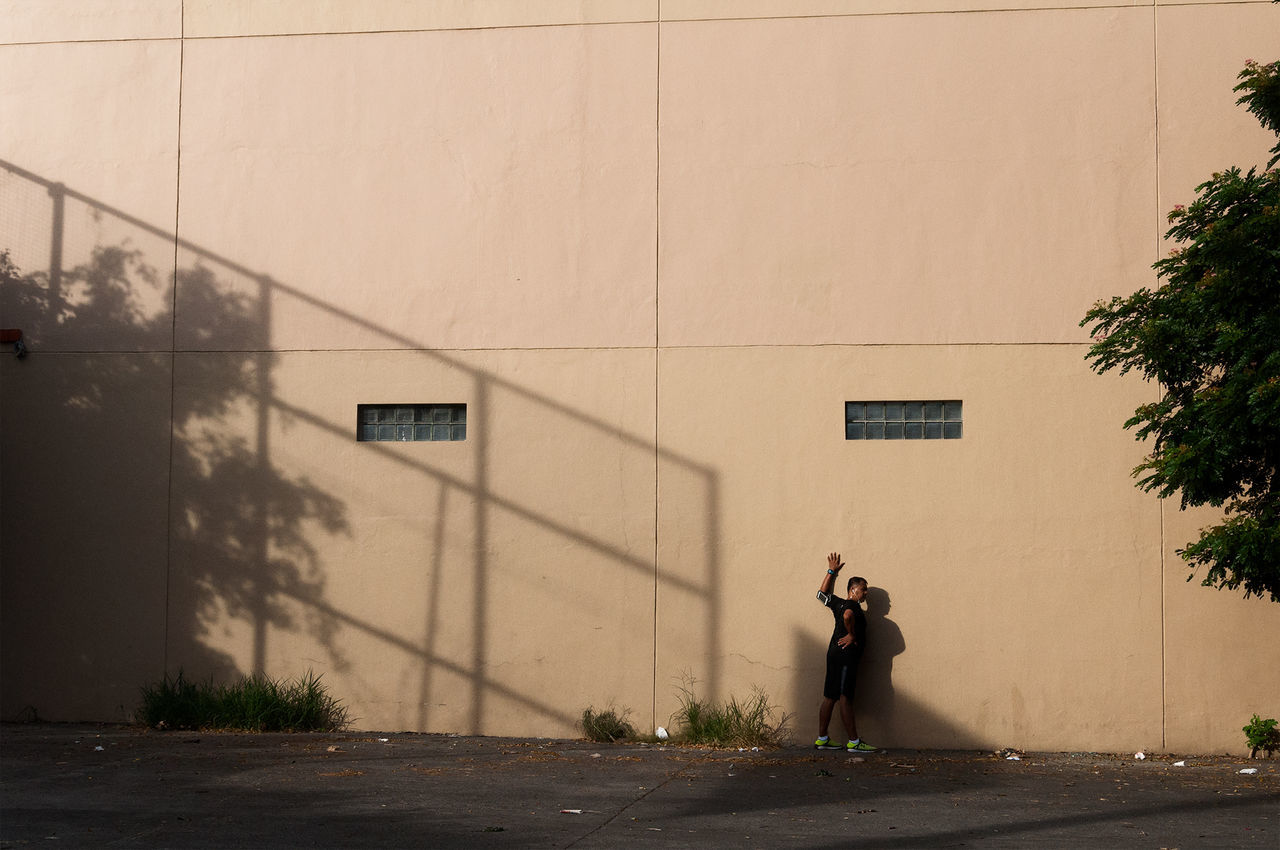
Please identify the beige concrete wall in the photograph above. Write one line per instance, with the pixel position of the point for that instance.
(468, 586)
(37, 21)
(84, 457)
(1220, 649)
(84, 426)
(1201, 130)
(99, 119)
(291, 17)
(457, 189)
(862, 185)
(1010, 560)
(1217, 645)
(654, 248)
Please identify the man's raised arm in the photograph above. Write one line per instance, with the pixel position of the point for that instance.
(834, 565)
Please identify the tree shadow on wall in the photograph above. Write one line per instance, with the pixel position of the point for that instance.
(240, 545)
(219, 559)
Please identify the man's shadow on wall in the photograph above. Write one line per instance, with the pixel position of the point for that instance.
(882, 718)
(875, 702)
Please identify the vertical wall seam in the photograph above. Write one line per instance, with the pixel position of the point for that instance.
(1164, 619)
(173, 337)
(657, 351)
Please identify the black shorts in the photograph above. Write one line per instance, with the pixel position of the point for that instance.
(842, 673)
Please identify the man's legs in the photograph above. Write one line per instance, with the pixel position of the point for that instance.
(824, 715)
(842, 679)
(846, 713)
(846, 716)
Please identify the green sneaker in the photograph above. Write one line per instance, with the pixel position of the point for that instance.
(827, 744)
(860, 747)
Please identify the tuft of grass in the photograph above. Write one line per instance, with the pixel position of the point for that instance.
(256, 703)
(607, 726)
(750, 722)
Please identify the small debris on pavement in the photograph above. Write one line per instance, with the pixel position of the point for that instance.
(661, 733)
(1140, 755)
(571, 811)
(334, 748)
(1179, 764)
(1249, 770)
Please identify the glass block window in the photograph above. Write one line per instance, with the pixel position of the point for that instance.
(903, 420)
(409, 423)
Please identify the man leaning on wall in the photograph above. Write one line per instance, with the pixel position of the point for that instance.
(844, 653)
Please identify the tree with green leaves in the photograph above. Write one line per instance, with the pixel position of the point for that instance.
(1210, 335)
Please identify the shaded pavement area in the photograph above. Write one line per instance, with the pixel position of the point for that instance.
(116, 786)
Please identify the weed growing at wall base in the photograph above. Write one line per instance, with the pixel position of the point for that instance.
(606, 726)
(750, 722)
(255, 703)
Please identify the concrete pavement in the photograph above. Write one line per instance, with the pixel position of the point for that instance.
(111, 786)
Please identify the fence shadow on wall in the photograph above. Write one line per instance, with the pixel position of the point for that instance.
(245, 532)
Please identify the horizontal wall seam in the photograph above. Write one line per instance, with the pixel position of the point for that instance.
(143, 40)
(969, 344)
(153, 351)
(895, 14)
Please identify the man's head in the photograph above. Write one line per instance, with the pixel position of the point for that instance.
(857, 588)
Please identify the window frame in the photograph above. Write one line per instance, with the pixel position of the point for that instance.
(914, 419)
(416, 422)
